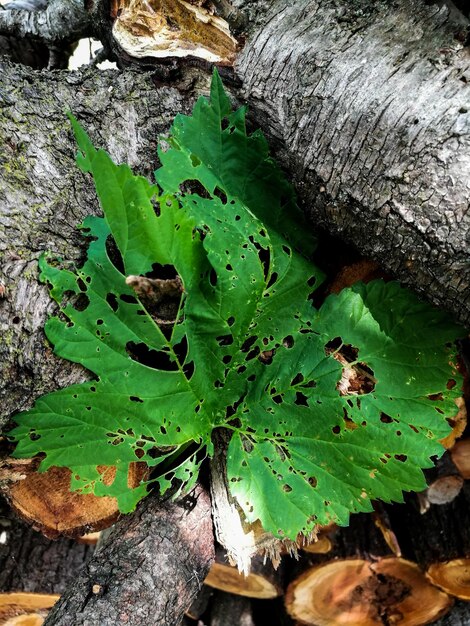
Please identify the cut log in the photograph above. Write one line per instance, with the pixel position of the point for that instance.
(25, 609)
(45, 501)
(356, 591)
(262, 582)
(452, 576)
(230, 610)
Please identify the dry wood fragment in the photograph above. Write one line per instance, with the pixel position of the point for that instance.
(458, 423)
(241, 540)
(362, 593)
(176, 28)
(262, 582)
(460, 455)
(25, 609)
(452, 576)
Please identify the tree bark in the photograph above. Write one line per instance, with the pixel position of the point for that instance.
(43, 196)
(369, 104)
(149, 569)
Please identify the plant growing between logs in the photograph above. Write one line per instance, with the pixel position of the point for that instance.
(193, 310)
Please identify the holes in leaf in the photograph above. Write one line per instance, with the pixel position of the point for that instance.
(266, 357)
(451, 383)
(135, 399)
(226, 359)
(248, 343)
(164, 272)
(139, 453)
(288, 342)
(298, 378)
(237, 218)
(224, 340)
(221, 195)
(401, 457)
(252, 354)
(81, 285)
(300, 399)
(128, 299)
(81, 302)
(278, 399)
(229, 268)
(336, 429)
(112, 301)
(99, 322)
(272, 280)
(241, 369)
(287, 250)
(251, 378)
(313, 482)
(231, 321)
(287, 488)
(385, 419)
(156, 359)
(213, 277)
(34, 436)
(188, 370)
(114, 255)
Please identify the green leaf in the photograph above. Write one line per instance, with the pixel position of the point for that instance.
(245, 350)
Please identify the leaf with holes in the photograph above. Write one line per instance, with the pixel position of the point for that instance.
(193, 312)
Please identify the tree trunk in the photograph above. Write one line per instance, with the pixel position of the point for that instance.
(368, 103)
(149, 569)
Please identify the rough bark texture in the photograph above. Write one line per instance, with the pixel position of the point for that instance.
(43, 197)
(370, 109)
(30, 562)
(126, 583)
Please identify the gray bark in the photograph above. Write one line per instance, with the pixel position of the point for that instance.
(369, 105)
(43, 197)
(149, 569)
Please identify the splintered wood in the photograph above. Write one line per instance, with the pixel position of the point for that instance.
(172, 28)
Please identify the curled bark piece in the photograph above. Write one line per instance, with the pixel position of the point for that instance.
(147, 571)
(356, 591)
(262, 582)
(452, 576)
